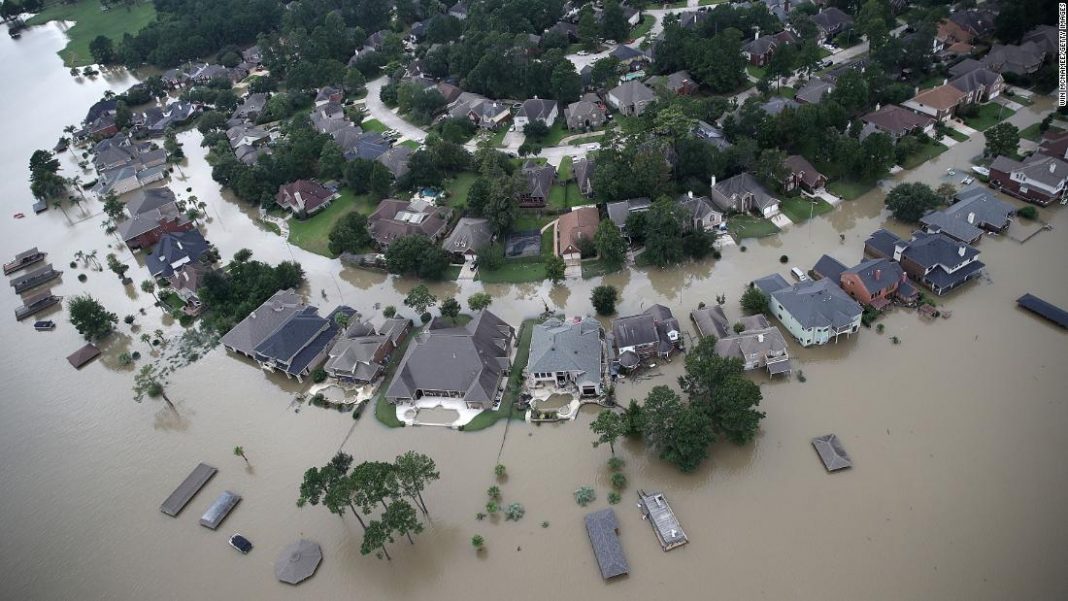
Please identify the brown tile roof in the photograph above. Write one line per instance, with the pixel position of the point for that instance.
(943, 97)
(574, 226)
(893, 118)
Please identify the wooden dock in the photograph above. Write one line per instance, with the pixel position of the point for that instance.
(189, 487)
(658, 512)
(1044, 309)
(219, 509)
(35, 278)
(23, 260)
(35, 303)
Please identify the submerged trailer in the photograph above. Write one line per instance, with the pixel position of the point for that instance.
(187, 489)
(218, 511)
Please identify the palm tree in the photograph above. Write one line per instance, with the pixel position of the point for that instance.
(240, 452)
(147, 382)
(149, 286)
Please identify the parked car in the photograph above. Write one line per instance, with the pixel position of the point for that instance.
(240, 543)
(799, 274)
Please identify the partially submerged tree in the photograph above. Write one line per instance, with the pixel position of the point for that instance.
(90, 317)
(608, 426)
(148, 382)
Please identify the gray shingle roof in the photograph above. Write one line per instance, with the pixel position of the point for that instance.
(830, 268)
(877, 274)
(814, 90)
(818, 304)
(173, 250)
(247, 335)
(470, 234)
(602, 527)
(536, 109)
(469, 360)
(711, 321)
(557, 346)
(731, 193)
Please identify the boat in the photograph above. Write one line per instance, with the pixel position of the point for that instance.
(951, 171)
(240, 543)
(23, 260)
(981, 170)
(45, 325)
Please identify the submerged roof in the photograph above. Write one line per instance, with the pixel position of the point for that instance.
(831, 452)
(602, 527)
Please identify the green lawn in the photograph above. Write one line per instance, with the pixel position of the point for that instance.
(498, 136)
(172, 301)
(755, 71)
(515, 271)
(748, 226)
(990, 114)
(799, 208)
(786, 92)
(923, 154)
(311, 233)
(373, 125)
(594, 267)
(586, 139)
(91, 21)
(642, 28)
(1032, 132)
(849, 189)
(515, 381)
(531, 220)
(556, 133)
(563, 172)
(386, 412)
(412, 144)
(563, 196)
(547, 242)
(956, 135)
(458, 188)
(824, 53)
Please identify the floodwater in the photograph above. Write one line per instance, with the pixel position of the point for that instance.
(957, 434)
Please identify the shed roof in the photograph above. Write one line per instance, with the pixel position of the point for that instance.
(602, 528)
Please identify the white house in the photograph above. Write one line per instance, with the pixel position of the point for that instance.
(814, 312)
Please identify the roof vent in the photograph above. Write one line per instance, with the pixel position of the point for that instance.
(961, 250)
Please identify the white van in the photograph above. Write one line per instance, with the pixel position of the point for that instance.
(800, 275)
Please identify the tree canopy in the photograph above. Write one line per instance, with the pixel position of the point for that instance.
(911, 201)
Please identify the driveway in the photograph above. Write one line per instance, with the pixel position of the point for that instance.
(380, 112)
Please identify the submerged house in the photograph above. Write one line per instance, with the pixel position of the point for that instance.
(744, 194)
(254, 329)
(299, 344)
(934, 260)
(756, 344)
(304, 197)
(468, 363)
(814, 312)
(152, 213)
(1039, 179)
(567, 355)
(360, 354)
(872, 282)
(175, 250)
(574, 231)
(974, 213)
(652, 333)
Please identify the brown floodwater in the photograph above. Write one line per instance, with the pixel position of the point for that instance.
(957, 433)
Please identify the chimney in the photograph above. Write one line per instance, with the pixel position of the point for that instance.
(945, 81)
(878, 274)
(690, 194)
(971, 217)
(877, 107)
(899, 248)
(961, 250)
(713, 181)
(1052, 167)
(756, 35)
(916, 91)
(760, 338)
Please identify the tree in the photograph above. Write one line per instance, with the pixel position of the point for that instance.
(1002, 139)
(680, 433)
(491, 257)
(663, 229)
(149, 286)
(501, 209)
(611, 247)
(478, 542)
(608, 427)
(715, 385)
(872, 22)
(375, 537)
(587, 28)
(400, 517)
(90, 318)
(450, 308)
(414, 472)
(239, 451)
(331, 161)
(555, 268)
(349, 234)
(330, 485)
(417, 255)
(478, 195)
(117, 267)
(102, 50)
(754, 301)
(633, 420)
(909, 202)
(604, 299)
(148, 382)
(479, 301)
(420, 299)
(614, 24)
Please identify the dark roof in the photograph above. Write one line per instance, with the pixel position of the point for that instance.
(771, 283)
(1048, 310)
(896, 120)
(648, 327)
(831, 20)
(930, 250)
(83, 355)
(625, 53)
(877, 274)
(727, 193)
(175, 249)
(602, 528)
(800, 167)
(711, 321)
(814, 90)
(261, 323)
(882, 242)
(778, 104)
(830, 268)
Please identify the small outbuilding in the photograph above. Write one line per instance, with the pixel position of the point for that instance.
(298, 561)
(603, 529)
(831, 452)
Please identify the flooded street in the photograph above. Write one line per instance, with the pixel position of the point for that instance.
(957, 434)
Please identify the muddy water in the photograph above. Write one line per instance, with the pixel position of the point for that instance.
(957, 434)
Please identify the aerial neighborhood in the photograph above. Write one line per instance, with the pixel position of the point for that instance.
(453, 214)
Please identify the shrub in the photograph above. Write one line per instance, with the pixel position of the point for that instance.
(545, 524)
(319, 375)
(742, 248)
(82, 277)
(494, 492)
(492, 507)
(879, 328)
(619, 481)
(717, 255)
(478, 542)
(585, 495)
(185, 320)
(614, 498)
(480, 516)
(389, 311)
(129, 319)
(615, 464)
(604, 299)
(739, 328)
(1029, 213)
(425, 317)
(500, 471)
(514, 512)
(73, 265)
(801, 377)
(784, 259)
(136, 355)
(125, 358)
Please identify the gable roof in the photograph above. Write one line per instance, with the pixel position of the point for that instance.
(536, 109)
(469, 235)
(896, 120)
(396, 160)
(396, 218)
(800, 167)
(726, 193)
(572, 346)
(976, 79)
(814, 90)
(943, 97)
(632, 93)
(254, 329)
(302, 195)
(818, 304)
(175, 249)
(651, 326)
(711, 321)
(1047, 170)
(877, 274)
(469, 359)
(831, 20)
(601, 526)
(574, 226)
(830, 268)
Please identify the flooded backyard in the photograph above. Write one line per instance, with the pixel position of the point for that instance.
(957, 434)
